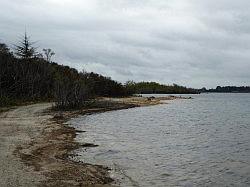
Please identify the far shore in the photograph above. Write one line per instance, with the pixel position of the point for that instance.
(36, 144)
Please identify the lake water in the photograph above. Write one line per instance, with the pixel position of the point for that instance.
(203, 141)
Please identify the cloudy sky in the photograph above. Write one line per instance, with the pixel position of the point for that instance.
(194, 43)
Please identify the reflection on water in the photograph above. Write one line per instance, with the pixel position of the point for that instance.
(204, 141)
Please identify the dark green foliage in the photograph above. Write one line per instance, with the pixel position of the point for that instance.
(22, 79)
(27, 76)
(105, 86)
(35, 79)
(156, 88)
(24, 49)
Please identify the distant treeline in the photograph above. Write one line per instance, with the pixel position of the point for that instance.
(156, 88)
(26, 75)
(228, 89)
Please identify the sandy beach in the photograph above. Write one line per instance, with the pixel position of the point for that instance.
(36, 145)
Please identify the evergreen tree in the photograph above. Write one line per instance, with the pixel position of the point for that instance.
(25, 49)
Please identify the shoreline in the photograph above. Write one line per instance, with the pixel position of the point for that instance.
(48, 152)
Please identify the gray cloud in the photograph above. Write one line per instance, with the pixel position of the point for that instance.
(189, 42)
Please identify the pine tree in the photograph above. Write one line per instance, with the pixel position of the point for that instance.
(24, 49)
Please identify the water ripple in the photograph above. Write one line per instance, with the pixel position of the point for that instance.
(200, 142)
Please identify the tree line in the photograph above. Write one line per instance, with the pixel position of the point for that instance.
(26, 75)
(228, 89)
(156, 88)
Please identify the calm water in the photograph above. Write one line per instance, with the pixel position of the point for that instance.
(204, 141)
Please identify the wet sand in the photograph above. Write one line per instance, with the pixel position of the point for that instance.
(35, 145)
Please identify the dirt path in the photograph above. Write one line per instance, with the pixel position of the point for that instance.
(19, 127)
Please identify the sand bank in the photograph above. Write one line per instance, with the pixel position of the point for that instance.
(36, 144)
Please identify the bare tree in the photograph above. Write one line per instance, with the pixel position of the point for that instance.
(48, 54)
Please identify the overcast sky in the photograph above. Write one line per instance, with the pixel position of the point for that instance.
(194, 43)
